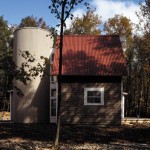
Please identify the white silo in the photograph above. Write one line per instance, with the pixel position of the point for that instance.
(33, 107)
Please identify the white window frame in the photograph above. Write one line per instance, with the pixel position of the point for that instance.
(93, 89)
(53, 85)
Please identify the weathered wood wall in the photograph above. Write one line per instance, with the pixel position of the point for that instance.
(73, 110)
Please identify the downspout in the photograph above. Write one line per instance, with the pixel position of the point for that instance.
(122, 100)
(10, 102)
(123, 45)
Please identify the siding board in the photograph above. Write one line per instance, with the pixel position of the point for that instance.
(73, 110)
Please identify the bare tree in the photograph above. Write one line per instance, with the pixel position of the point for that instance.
(62, 10)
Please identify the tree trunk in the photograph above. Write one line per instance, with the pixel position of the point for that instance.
(59, 75)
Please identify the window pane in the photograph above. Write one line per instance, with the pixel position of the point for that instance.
(52, 56)
(97, 100)
(90, 93)
(94, 96)
(54, 78)
(97, 93)
(53, 92)
(1, 91)
(94, 93)
(53, 103)
(53, 111)
(90, 100)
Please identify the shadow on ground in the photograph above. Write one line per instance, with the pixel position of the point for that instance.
(82, 134)
(38, 132)
(38, 136)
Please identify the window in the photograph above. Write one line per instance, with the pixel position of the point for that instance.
(93, 96)
(53, 107)
(52, 58)
(54, 78)
(53, 93)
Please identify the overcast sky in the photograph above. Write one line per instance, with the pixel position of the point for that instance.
(14, 10)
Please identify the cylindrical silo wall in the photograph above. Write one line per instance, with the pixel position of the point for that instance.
(33, 107)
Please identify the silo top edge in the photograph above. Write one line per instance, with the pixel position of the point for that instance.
(31, 28)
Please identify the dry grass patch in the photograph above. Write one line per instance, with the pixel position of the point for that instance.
(4, 115)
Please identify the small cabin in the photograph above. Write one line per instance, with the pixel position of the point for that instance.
(91, 86)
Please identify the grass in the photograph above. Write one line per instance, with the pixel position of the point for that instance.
(41, 136)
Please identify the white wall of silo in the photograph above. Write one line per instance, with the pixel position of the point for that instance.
(33, 107)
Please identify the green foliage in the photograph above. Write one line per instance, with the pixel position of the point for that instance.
(138, 81)
(117, 25)
(31, 21)
(26, 72)
(8, 70)
(120, 25)
(87, 24)
(144, 17)
(67, 5)
(5, 57)
(5, 36)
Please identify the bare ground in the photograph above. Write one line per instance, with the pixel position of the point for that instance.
(41, 136)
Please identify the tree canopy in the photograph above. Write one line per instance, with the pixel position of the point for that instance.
(5, 57)
(88, 24)
(31, 21)
(119, 25)
(137, 83)
(8, 69)
(5, 38)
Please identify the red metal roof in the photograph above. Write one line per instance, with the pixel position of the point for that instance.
(91, 55)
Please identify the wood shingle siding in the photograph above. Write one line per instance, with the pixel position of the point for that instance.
(73, 110)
